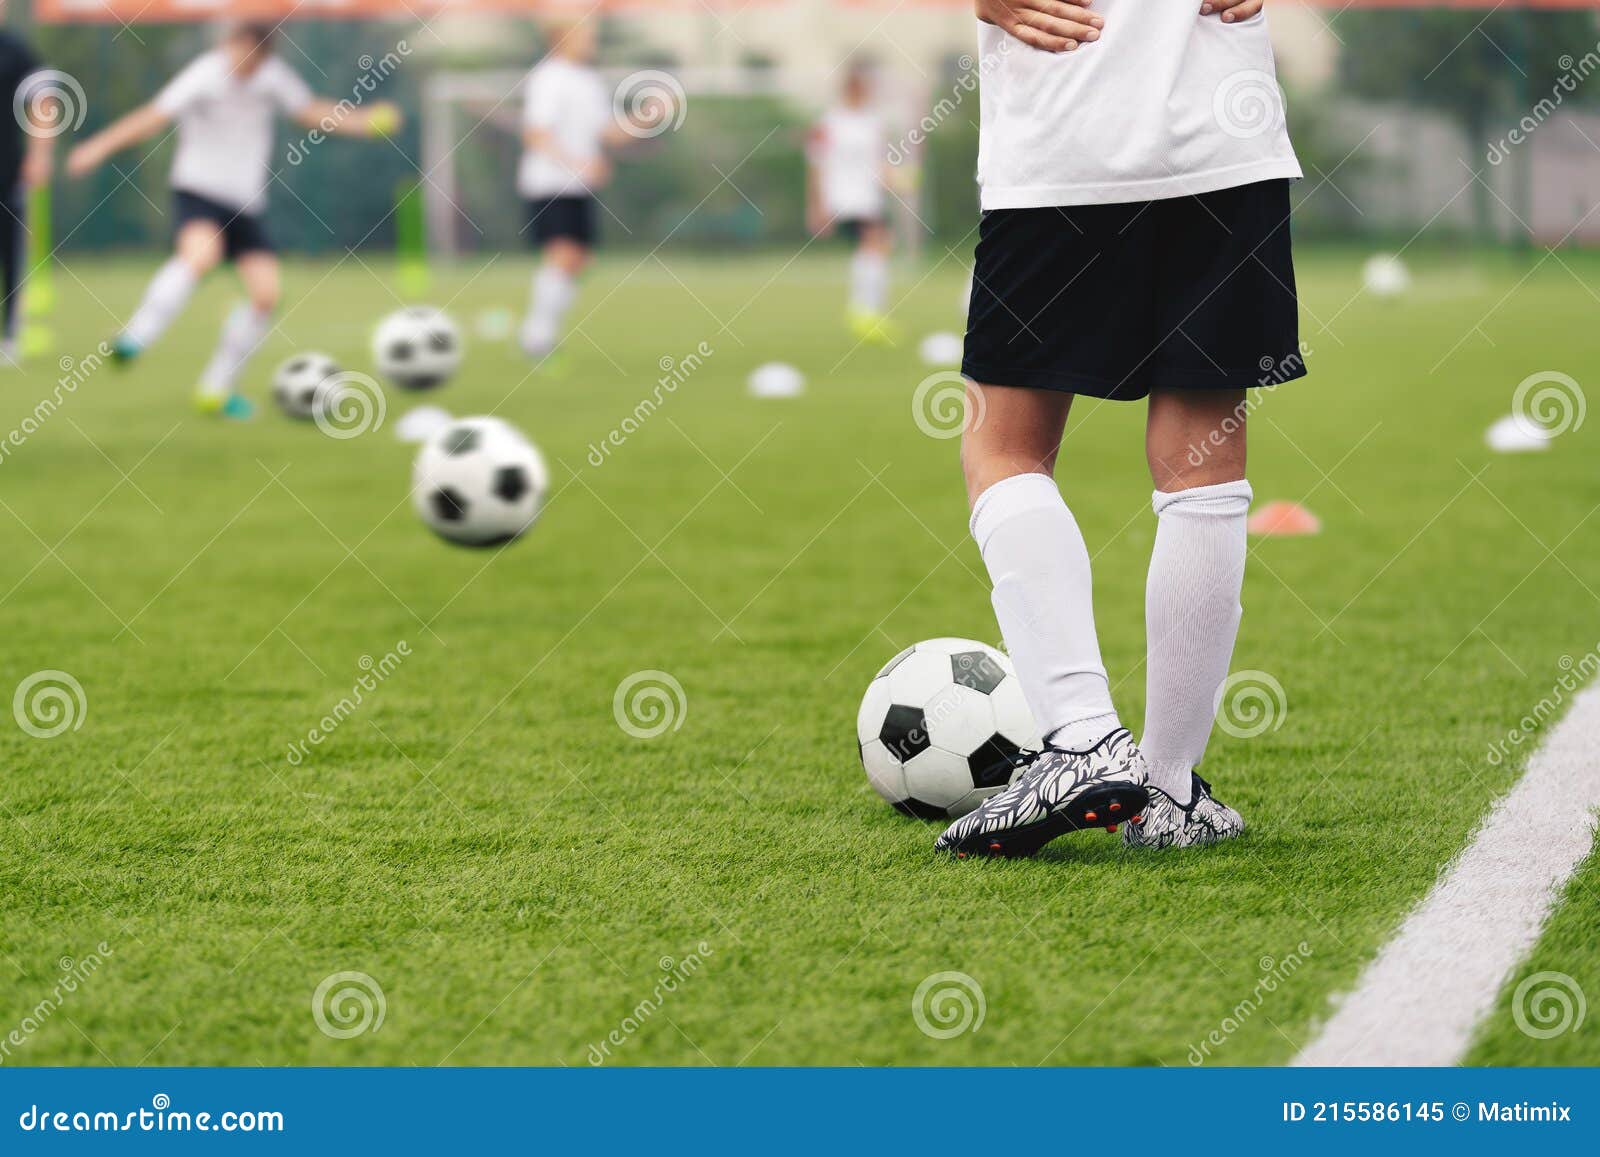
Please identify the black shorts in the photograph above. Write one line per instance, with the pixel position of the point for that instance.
(851, 228)
(1112, 301)
(563, 218)
(241, 232)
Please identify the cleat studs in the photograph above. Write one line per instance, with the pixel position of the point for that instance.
(1090, 816)
(1115, 806)
(1111, 827)
(1138, 819)
(997, 848)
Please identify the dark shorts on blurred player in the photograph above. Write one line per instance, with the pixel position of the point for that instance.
(1112, 301)
(563, 219)
(851, 228)
(241, 232)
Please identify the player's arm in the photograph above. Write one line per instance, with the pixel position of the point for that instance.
(594, 173)
(817, 223)
(1231, 11)
(137, 126)
(379, 119)
(1050, 25)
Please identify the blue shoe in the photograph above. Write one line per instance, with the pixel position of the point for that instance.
(124, 349)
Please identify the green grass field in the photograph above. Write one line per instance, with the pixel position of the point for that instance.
(513, 870)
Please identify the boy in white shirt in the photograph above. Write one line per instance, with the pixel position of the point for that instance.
(848, 156)
(568, 123)
(1135, 244)
(224, 104)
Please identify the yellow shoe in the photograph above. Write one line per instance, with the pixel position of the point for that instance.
(235, 406)
(874, 329)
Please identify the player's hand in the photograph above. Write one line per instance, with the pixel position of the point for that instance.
(83, 160)
(818, 223)
(1049, 25)
(384, 119)
(1231, 11)
(596, 172)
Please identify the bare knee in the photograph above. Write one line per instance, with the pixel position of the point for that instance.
(1010, 432)
(1196, 438)
(567, 256)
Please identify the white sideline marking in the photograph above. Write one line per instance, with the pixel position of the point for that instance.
(1421, 998)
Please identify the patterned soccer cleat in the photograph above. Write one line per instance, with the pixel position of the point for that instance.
(1064, 791)
(1169, 824)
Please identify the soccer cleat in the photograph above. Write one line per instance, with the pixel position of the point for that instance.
(874, 328)
(235, 407)
(124, 349)
(1063, 791)
(1169, 824)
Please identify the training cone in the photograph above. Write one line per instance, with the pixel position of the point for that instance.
(1515, 434)
(1282, 519)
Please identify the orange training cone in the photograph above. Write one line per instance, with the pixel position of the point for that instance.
(1284, 518)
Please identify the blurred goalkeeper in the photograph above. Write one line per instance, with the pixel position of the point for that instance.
(224, 105)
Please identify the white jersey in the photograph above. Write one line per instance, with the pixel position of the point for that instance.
(850, 148)
(1167, 103)
(569, 101)
(226, 126)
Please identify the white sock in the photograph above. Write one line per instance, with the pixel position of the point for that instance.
(869, 281)
(164, 299)
(242, 333)
(553, 292)
(1191, 616)
(1044, 600)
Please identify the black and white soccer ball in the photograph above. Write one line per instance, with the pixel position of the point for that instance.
(304, 386)
(479, 482)
(417, 348)
(941, 725)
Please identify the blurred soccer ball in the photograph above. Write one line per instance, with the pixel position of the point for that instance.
(417, 348)
(303, 386)
(940, 727)
(1385, 275)
(479, 482)
(777, 380)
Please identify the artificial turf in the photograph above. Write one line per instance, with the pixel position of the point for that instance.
(514, 870)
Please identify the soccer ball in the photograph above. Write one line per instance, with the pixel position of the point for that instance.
(940, 727)
(302, 386)
(417, 348)
(479, 482)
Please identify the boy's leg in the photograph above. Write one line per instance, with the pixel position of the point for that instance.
(869, 271)
(1037, 560)
(13, 246)
(555, 286)
(247, 325)
(197, 251)
(1195, 443)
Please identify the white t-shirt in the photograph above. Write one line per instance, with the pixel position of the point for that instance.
(850, 149)
(1167, 103)
(226, 126)
(570, 102)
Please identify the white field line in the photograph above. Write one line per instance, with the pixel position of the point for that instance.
(1424, 994)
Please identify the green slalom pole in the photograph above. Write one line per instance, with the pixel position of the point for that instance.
(39, 294)
(411, 240)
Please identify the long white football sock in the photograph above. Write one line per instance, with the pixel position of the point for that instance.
(553, 292)
(164, 299)
(242, 333)
(1044, 600)
(869, 281)
(1191, 617)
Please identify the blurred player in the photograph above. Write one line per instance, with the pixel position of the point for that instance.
(845, 183)
(224, 104)
(1134, 244)
(567, 126)
(26, 147)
